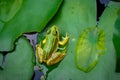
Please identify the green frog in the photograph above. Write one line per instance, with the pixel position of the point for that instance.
(48, 51)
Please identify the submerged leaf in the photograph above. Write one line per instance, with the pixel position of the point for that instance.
(19, 65)
(32, 16)
(90, 46)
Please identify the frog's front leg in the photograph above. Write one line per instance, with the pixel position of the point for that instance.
(55, 58)
(64, 41)
(39, 53)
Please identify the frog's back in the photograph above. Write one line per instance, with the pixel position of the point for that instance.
(50, 46)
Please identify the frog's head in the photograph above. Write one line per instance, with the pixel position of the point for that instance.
(53, 31)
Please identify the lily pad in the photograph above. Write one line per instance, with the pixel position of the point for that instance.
(117, 76)
(8, 9)
(107, 23)
(116, 40)
(32, 16)
(19, 65)
(73, 17)
(90, 46)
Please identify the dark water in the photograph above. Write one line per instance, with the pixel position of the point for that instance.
(101, 4)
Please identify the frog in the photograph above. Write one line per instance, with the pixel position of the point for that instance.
(48, 51)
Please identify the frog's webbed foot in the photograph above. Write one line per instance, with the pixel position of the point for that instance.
(55, 58)
(64, 41)
(39, 53)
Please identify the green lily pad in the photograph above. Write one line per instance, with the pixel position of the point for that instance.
(73, 17)
(1, 25)
(107, 23)
(8, 9)
(117, 76)
(90, 46)
(32, 16)
(19, 65)
(116, 40)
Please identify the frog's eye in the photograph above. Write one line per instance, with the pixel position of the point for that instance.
(55, 33)
(48, 31)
